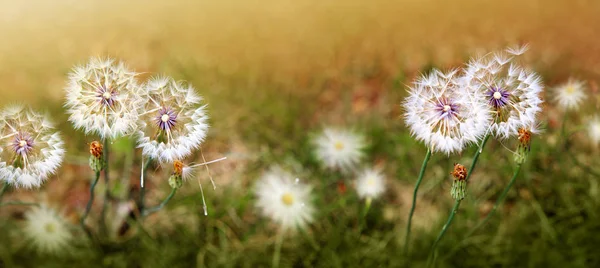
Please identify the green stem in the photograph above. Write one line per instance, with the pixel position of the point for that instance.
(3, 191)
(499, 202)
(457, 202)
(277, 254)
(141, 205)
(414, 200)
(365, 211)
(88, 207)
(106, 153)
(159, 207)
(18, 203)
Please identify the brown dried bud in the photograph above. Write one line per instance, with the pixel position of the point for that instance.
(459, 172)
(177, 167)
(525, 138)
(96, 149)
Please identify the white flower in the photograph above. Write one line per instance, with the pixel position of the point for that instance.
(339, 149)
(30, 148)
(594, 129)
(444, 114)
(47, 231)
(370, 184)
(570, 95)
(283, 199)
(173, 122)
(101, 98)
(512, 92)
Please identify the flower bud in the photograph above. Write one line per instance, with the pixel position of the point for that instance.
(96, 162)
(459, 184)
(175, 181)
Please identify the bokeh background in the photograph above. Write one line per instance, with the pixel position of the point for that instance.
(276, 72)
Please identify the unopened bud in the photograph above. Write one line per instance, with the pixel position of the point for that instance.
(96, 162)
(96, 149)
(524, 146)
(459, 184)
(175, 181)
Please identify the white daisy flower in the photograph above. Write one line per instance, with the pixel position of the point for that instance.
(444, 114)
(173, 122)
(101, 98)
(570, 95)
(283, 199)
(370, 184)
(594, 129)
(339, 149)
(512, 92)
(47, 231)
(30, 148)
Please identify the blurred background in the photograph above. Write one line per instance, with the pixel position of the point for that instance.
(273, 72)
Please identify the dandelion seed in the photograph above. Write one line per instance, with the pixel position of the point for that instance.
(101, 98)
(444, 114)
(370, 184)
(283, 200)
(570, 95)
(33, 149)
(173, 123)
(338, 149)
(186, 172)
(47, 231)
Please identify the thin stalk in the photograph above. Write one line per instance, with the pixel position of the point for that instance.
(457, 202)
(277, 254)
(414, 200)
(499, 201)
(103, 227)
(161, 205)
(3, 191)
(141, 205)
(88, 207)
(364, 212)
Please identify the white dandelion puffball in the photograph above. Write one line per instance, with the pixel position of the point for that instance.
(594, 129)
(47, 231)
(101, 98)
(30, 148)
(339, 149)
(283, 199)
(570, 95)
(444, 114)
(173, 121)
(512, 92)
(370, 184)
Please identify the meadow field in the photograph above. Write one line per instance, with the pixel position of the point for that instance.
(275, 75)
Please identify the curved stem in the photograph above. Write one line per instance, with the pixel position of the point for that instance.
(3, 191)
(457, 202)
(277, 254)
(106, 154)
(88, 207)
(414, 199)
(159, 207)
(499, 201)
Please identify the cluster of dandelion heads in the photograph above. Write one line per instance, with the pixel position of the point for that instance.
(30, 148)
(283, 199)
(339, 149)
(173, 121)
(570, 95)
(370, 183)
(444, 113)
(101, 98)
(47, 232)
(512, 92)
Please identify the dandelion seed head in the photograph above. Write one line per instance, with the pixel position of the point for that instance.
(370, 183)
(570, 95)
(47, 232)
(339, 149)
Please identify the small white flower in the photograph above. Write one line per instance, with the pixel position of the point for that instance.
(570, 95)
(339, 149)
(47, 231)
(283, 199)
(370, 184)
(173, 122)
(512, 92)
(594, 129)
(101, 98)
(444, 114)
(30, 148)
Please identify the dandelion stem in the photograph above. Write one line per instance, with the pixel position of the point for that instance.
(365, 211)
(3, 191)
(457, 202)
(277, 254)
(105, 155)
(499, 202)
(414, 200)
(161, 205)
(88, 207)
